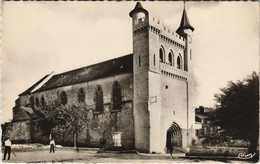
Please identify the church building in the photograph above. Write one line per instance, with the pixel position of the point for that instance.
(140, 101)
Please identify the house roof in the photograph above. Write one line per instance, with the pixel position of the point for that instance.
(112, 67)
(25, 113)
(207, 115)
(28, 110)
(28, 91)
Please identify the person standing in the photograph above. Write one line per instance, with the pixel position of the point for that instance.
(52, 145)
(103, 144)
(7, 148)
(171, 149)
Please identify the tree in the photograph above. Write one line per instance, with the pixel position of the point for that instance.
(237, 110)
(47, 116)
(70, 118)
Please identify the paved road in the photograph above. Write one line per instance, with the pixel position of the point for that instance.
(93, 157)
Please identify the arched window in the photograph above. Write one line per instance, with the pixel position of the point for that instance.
(161, 53)
(81, 95)
(37, 102)
(43, 101)
(31, 102)
(117, 97)
(99, 99)
(179, 62)
(63, 98)
(170, 57)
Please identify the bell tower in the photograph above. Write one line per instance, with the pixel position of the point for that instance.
(162, 80)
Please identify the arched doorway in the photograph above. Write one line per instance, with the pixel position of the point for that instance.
(173, 137)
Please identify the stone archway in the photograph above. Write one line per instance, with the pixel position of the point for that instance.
(173, 136)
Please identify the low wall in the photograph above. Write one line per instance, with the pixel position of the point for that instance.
(215, 151)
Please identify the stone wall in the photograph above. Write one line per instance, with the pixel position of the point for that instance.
(24, 100)
(21, 132)
(125, 81)
(101, 125)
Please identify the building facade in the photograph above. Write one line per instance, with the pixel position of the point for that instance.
(144, 99)
(204, 118)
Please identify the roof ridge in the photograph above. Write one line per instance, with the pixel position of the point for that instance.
(92, 64)
(115, 66)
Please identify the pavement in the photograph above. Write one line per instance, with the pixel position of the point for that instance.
(90, 156)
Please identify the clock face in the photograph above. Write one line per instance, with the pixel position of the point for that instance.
(190, 39)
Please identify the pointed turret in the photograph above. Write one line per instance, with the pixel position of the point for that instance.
(138, 8)
(185, 24)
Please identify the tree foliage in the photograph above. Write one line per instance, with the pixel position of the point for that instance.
(216, 139)
(70, 118)
(237, 110)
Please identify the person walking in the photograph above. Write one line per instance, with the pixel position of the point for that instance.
(52, 145)
(171, 149)
(169, 144)
(7, 148)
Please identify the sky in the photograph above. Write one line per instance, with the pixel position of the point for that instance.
(41, 37)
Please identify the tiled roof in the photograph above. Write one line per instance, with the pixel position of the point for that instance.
(29, 111)
(108, 68)
(24, 114)
(205, 115)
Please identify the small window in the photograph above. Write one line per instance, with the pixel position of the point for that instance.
(212, 130)
(154, 59)
(170, 59)
(205, 130)
(179, 62)
(117, 96)
(197, 132)
(37, 102)
(43, 101)
(63, 98)
(161, 53)
(99, 99)
(31, 101)
(81, 95)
